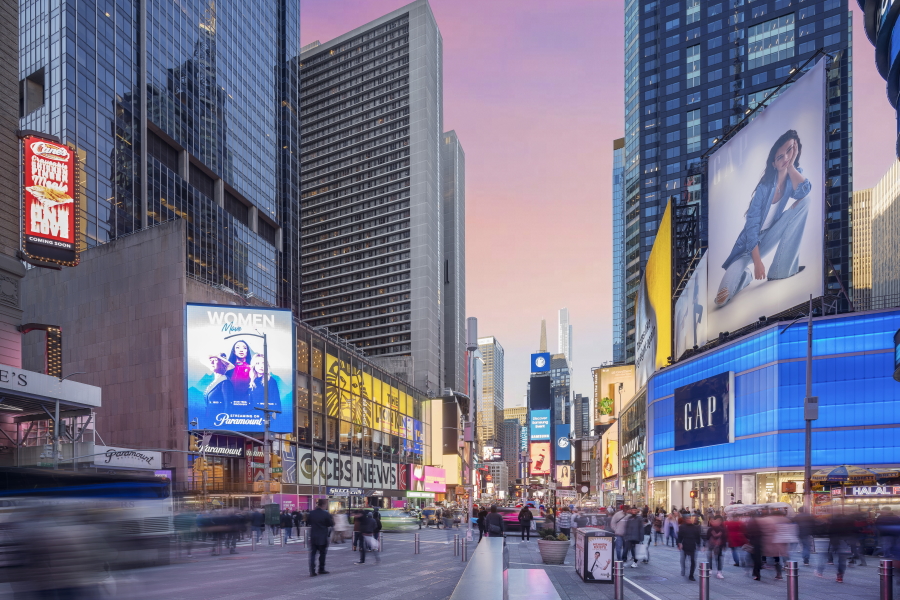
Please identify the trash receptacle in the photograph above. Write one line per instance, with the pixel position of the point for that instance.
(594, 554)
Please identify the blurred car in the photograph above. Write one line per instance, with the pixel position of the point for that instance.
(510, 516)
(396, 519)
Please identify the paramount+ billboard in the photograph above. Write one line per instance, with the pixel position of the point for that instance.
(225, 369)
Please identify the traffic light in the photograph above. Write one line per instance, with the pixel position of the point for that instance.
(193, 443)
(693, 493)
(200, 464)
(274, 460)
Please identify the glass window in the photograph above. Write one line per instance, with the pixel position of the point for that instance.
(693, 65)
(693, 131)
(770, 41)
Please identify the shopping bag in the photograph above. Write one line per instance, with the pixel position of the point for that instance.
(533, 526)
(371, 543)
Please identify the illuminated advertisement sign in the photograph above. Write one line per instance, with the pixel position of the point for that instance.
(704, 412)
(563, 448)
(435, 480)
(540, 458)
(690, 312)
(613, 386)
(540, 362)
(225, 367)
(319, 467)
(49, 212)
(540, 425)
(564, 475)
(539, 397)
(653, 323)
(610, 449)
(766, 198)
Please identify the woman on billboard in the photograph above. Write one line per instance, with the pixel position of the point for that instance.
(241, 356)
(257, 387)
(770, 223)
(219, 394)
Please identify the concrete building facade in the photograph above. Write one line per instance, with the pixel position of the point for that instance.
(453, 185)
(490, 403)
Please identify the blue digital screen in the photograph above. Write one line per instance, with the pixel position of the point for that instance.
(540, 363)
(563, 447)
(540, 425)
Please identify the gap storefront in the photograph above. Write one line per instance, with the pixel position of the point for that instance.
(728, 426)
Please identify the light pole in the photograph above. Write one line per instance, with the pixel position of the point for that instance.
(810, 409)
(267, 451)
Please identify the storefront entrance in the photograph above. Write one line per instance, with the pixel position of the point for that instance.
(697, 494)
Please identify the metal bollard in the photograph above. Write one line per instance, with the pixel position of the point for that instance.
(456, 545)
(465, 552)
(793, 580)
(704, 581)
(886, 572)
(416, 544)
(307, 542)
(618, 580)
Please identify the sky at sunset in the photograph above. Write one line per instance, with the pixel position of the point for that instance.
(535, 92)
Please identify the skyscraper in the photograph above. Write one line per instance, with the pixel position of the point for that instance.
(512, 433)
(564, 343)
(583, 423)
(374, 256)
(862, 247)
(618, 253)
(542, 347)
(560, 389)
(178, 111)
(490, 404)
(453, 185)
(692, 72)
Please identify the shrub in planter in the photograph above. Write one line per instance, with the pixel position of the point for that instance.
(553, 547)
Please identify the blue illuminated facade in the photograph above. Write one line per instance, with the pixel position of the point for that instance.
(853, 364)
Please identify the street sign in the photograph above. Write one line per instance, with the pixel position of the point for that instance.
(277, 469)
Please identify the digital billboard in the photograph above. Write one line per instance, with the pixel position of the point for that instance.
(540, 425)
(613, 386)
(690, 312)
(540, 458)
(704, 412)
(540, 362)
(225, 368)
(49, 211)
(564, 475)
(653, 322)
(487, 453)
(766, 196)
(610, 449)
(539, 397)
(561, 435)
(435, 480)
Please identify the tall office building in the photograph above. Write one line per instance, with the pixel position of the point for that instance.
(372, 216)
(490, 404)
(692, 71)
(560, 389)
(564, 343)
(876, 243)
(618, 253)
(862, 247)
(511, 440)
(583, 424)
(177, 111)
(453, 186)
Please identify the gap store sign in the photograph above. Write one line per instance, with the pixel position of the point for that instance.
(703, 412)
(540, 425)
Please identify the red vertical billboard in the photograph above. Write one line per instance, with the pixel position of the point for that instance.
(49, 212)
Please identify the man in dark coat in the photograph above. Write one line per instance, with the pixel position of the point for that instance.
(377, 517)
(319, 521)
(688, 541)
(367, 528)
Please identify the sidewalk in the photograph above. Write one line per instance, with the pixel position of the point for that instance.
(660, 579)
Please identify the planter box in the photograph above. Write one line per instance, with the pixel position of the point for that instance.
(553, 553)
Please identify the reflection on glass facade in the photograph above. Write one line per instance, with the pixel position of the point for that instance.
(859, 402)
(618, 230)
(212, 140)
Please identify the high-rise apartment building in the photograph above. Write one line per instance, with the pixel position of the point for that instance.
(618, 253)
(372, 217)
(564, 343)
(177, 111)
(453, 187)
(692, 71)
(490, 404)
(560, 388)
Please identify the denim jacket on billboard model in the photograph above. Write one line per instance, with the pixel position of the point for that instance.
(760, 205)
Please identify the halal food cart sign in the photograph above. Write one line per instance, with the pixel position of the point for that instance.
(49, 212)
(872, 490)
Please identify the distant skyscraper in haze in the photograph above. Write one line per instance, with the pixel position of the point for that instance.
(618, 253)
(564, 344)
(375, 262)
(543, 344)
(560, 389)
(453, 186)
(490, 404)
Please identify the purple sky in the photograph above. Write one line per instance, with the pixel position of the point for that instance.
(535, 92)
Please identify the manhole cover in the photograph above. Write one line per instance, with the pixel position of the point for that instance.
(652, 578)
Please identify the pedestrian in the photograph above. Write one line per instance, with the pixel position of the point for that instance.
(648, 533)
(716, 540)
(806, 525)
(319, 521)
(525, 519)
(778, 534)
(257, 524)
(186, 526)
(688, 540)
(565, 522)
(671, 527)
(341, 526)
(633, 534)
(617, 525)
(887, 525)
(357, 534)
(448, 524)
(376, 516)
(482, 515)
(367, 541)
(493, 523)
(420, 515)
(736, 539)
(658, 520)
(287, 524)
(297, 518)
(841, 536)
(754, 533)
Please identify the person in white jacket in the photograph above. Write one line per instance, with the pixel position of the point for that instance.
(617, 525)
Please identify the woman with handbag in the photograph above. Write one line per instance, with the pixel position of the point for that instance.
(493, 523)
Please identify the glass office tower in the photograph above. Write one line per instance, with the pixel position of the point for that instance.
(692, 70)
(618, 253)
(177, 110)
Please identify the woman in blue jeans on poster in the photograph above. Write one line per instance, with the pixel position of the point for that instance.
(771, 224)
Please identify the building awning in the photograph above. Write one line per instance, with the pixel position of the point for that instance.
(29, 396)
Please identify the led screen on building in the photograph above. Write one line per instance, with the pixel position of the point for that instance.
(613, 386)
(540, 458)
(224, 365)
(561, 435)
(540, 425)
(610, 449)
(540, 362)
(690, 312)
(435, 480)
(49, 210)
(564, 475)
(653, 323)
(539, 397)
(704, 412)
(766, 193)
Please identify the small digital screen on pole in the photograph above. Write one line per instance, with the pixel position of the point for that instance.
(540, 398)
(226, 369)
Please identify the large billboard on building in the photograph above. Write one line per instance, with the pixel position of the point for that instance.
(540, 425)
(690, 312)
(610, 449)
(704, 412)
(539, 397)
(49, 210)
(613, 386)
(766, 197)
(540, 458)
(225, 368)
(653, 323)
(564, 475)
(435, 480)
(563, 449)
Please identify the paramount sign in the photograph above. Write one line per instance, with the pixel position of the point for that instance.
(126, 458)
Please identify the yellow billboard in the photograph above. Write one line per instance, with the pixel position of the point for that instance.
(610, 458)
(613, 387)
(653, 322)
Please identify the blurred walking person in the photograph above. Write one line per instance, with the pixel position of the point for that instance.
(525, 520)
(565, 522)
(754, 533)
(716, 540)
(671, 527)
(778, 535)
(888, 527)
(633, 534)
(319, 521)
(736, 539)
(806, 525)
(840, 538)
(367, 540)
(287, 524)
(493, 523)
(688, 541)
